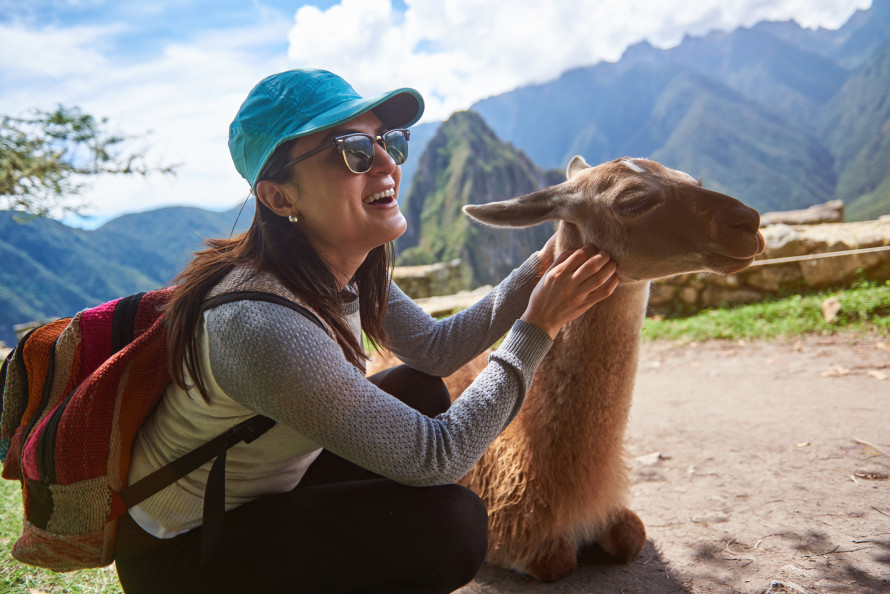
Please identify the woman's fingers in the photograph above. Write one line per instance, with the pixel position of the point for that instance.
(570, 261)
(561, 258)
(585, 265)
(575, 281)
(592, 277)
(600, 288)
(547, 254)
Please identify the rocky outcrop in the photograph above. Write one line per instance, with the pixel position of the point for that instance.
(465, 163)
(445, 278)
(829, 212)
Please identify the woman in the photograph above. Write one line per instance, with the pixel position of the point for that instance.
(352, 488)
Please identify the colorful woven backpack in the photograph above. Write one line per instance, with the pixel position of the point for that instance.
(75, 393)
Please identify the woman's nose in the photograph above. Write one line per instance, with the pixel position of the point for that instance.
(383, 161)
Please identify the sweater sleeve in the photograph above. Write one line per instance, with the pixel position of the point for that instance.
(440, 347)
(275, 362)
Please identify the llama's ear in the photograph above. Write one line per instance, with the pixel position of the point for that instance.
(523, 211)
(575, 165)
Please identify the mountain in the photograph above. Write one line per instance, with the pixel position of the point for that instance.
(674, 114)
(850, 45)
(739, 148)
(465, 163)
(420, 136)
(764, 69)
(773, 114)
(856, 124)
(52, 270)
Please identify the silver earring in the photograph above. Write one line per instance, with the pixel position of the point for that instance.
(292, 218)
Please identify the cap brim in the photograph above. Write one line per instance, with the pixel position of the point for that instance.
(396, 109)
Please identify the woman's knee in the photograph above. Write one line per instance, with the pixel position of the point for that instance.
(462, 527)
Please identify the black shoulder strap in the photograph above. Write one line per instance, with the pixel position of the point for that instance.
(260, 296)
(246, 431)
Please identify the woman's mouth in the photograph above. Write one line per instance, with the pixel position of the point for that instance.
(381, 198)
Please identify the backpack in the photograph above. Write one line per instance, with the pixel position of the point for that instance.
(74, 394)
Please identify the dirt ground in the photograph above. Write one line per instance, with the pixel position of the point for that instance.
(759, 467)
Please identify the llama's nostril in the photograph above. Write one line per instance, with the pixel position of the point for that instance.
(750, 226)
(745, 221)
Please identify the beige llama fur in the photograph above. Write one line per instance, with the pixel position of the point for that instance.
(558, 476)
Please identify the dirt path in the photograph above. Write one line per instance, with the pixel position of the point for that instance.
(759, 467)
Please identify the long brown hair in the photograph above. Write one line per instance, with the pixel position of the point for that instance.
(275, 245)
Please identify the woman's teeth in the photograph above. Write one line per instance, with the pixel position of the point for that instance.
(386, 194)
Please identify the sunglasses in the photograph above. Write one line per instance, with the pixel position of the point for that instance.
(358, 149)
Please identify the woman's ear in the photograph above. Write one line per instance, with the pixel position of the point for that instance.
(275, 198)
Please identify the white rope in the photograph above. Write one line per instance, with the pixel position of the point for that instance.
(870, 250)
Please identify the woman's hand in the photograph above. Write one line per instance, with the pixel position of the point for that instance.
(547, 254)
(574, 282)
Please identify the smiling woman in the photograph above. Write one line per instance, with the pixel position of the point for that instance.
(352, 488)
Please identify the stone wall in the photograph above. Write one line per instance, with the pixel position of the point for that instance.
(792, 263)
(420, 282)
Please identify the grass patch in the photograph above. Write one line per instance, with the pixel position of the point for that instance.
(865, 308)
(16, 578)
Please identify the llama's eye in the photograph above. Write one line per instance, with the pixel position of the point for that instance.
(639, 204)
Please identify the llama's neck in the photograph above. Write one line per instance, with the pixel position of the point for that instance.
(581, 395)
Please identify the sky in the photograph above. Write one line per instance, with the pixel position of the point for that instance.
(172, 73)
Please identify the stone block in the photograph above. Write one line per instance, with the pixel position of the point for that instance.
(688, 295)
(661, 293)
(445, 278)
(829, 212)
(714, 296)
(783, 241)
(827, 272)
(773, 277)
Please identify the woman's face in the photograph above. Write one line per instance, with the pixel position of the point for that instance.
(343, 214)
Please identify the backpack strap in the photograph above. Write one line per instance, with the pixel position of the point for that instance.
(261, 296)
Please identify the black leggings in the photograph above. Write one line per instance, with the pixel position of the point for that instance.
(343, 529)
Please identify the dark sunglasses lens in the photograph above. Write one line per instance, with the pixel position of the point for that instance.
(396, 142)
(358, 150)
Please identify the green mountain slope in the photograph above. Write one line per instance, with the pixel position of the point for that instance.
(856, 124)
(465, 163)
(740, 149)
(51, 270)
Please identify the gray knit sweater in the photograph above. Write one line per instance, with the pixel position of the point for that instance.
(264, 358)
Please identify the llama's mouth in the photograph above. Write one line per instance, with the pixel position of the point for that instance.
(730, 263)
(727, 264)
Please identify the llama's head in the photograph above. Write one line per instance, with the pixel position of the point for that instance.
(654, 221)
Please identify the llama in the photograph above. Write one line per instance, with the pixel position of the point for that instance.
(558, 477)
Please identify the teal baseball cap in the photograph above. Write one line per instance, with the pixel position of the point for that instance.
(295, 103)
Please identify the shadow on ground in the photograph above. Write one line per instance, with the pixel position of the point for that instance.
(596, 574)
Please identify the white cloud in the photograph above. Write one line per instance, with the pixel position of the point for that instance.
(52, 52)
(184, 97)
(459, 51)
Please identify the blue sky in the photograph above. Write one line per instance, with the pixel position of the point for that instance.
(179, 69)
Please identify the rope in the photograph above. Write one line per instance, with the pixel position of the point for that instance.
(870, 250)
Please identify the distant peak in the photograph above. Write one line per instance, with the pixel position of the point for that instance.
(639, 51)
